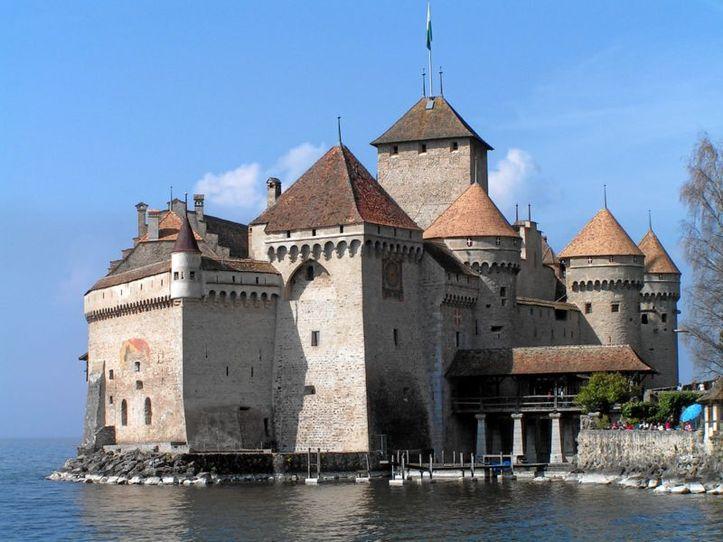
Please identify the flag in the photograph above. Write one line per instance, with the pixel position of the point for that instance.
(429, 27)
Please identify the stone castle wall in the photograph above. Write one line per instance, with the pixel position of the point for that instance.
(540, 324)
(658, 302)
(534, 279)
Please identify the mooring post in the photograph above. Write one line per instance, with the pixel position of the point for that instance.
(308, 463)
(442, 457)
(431, 457)
(366, 457)
(403, 473)
(318, 462)
(420, 458)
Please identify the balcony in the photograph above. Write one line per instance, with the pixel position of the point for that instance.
(523, 403)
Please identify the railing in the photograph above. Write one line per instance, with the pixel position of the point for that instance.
(514, 404)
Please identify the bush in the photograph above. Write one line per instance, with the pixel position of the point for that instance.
(640, 411)
(671, 403)
(603, 422)
(603, 390)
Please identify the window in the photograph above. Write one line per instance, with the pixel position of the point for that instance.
(310, 273)
(454, 146)
(192, 275)
(664, 317)
(476, 327)
(175, 275)
(147, 412)
(110, 399)
(309, 390)
(611, 259)
(137, 366)
(266, 427)
(226, 370)
(643, 318)
(288, 233)
(503, 291)
(560, 314)
(139, 384)
(314, 338)
(615, 307)
(124, 412)
(498, 241)
(395, 335)
(456, 338)
(110, 374)
(495, 329)
(395, 149)
(503, 301)
(588, 308)
(589, 259)
(313, 233)
(469, 241)
(257, 280)
(635, 259)
(341, 229)
(422, 148)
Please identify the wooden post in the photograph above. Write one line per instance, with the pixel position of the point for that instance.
(420, 458)
(454, 458)
(430, 465)
(366, 457)
(442, 457)
(308, 463)
(318, 462)
(403, 473)
(471, 463)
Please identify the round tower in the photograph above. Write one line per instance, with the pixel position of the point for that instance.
(659, 312)
(604, 276)
(186, 264)
(480, 236)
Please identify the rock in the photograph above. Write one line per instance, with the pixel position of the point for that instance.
(572, 477)
(152, 481)
(696, 487)
(652, 484)
(54, 476)
(679, 490)
(717, 490)
(632, 482)
(541, 479)
(662, 489)
(112, 480)
(200, 482)
(122, 480)
(135, 480)
(596, 479)
(187, 482)
(169, 480)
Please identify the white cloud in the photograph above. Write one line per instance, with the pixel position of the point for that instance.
(296, 161)
(512, 180)
(244, 186)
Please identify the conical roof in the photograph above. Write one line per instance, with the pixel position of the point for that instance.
(602, 236)
(429, 118)
(473, 214)
(186, 240)
(657, 259)
(336, 190)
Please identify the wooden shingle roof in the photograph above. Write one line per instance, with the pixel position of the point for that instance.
(472, 214)
(657, 259)
(602, 236)
(429, 118)
(336, 190)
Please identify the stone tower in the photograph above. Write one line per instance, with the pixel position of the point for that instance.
(659, 312)
(186, 264)
(428, 158)
(604, 276)
(480, 236)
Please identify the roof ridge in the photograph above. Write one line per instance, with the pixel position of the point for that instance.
(602, 235)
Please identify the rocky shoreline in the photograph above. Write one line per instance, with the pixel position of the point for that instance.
(634, 481)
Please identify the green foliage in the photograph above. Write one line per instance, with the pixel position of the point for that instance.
(671, 403)
(603, 422)
(640, 411)
(603, 390)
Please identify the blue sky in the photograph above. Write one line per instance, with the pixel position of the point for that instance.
(104, 104)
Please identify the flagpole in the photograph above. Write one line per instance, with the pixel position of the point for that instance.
(431, 88)
(429, 47)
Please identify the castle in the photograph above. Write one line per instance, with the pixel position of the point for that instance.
(359, 314)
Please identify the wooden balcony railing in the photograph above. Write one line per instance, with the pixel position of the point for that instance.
(523, 403)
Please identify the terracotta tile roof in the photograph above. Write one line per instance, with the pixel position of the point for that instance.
(446, 258)
(473, 214)
(421, 123)
(168, 227)
(185, 240)
(336, 190)
(547, 360)
(657, 259)
(546, 303)
(134, 274)
(252, 266)
(602, 236)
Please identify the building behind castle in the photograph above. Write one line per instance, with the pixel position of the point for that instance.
(356, 315)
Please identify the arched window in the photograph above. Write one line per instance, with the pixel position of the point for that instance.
(124, 412)
(147, 412)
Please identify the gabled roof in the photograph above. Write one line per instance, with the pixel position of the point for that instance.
(547, 360)
(186, 239)
(429, 118)
(168, 227)
(473, 214)
(657, 259)
(336, 190)
(602, 236)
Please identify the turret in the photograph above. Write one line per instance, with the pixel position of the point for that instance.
(659, 312)
(429, 157)
(186, 264)
(604, 276)
(480, 236)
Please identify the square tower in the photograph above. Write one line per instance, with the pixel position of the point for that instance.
(428, 158)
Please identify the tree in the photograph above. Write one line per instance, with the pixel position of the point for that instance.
(603, 390)
(703, 241)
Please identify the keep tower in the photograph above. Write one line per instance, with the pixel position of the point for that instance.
(429, 157)
(659, 311)
(604, 277)
(481, 237)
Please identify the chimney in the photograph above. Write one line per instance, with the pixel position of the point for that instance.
(273, 191)
(154, 217)
(198, 206)
(141, 208)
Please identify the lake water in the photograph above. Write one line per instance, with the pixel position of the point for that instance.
(32, 508)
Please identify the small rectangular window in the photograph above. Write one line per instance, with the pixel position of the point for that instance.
(110, 399)
(110, 374)
(309, 390)
(664, 317)
(422, 148)
(288, 233)
(498, 241)
(503, 291)
(588, 308)
(139, 384)
(495, 329)
(313, 233)
(192, 274)
(314, 338)
(395, 335)
(137, 366)
(175, 275)
(615, 307)
(456, 338)
(643, 318)
(395, 149)
(589, 260)
(454, 146)
(266, 427)
(476, 327)
(560, 314)
(341, 229)
(503, 301)
(310, 273)
(611, 259)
